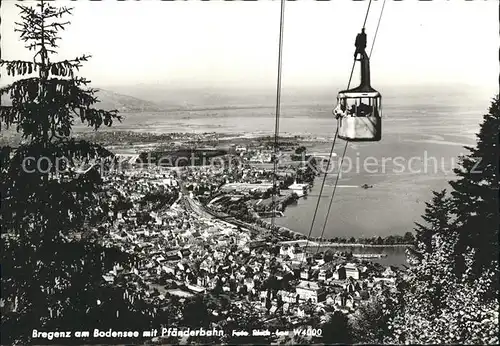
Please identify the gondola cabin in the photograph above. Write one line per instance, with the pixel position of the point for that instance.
(361, 118)
(359, 110)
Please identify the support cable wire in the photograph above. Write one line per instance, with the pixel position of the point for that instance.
(331, 152)
(331, 198)
(338, 175)
(367, 12)
(322, 186)
(278, 109)
(376, 30)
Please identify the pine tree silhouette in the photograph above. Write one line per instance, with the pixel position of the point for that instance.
(50, 281)
(461, 237)
(437, 217)
(475, 194)
(43, 193)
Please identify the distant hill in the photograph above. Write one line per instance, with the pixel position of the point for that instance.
(319, 101)
(196, 98)
(182, 97)
(124, 103)
(111, 100)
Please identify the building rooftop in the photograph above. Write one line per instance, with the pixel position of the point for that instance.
(308, 285)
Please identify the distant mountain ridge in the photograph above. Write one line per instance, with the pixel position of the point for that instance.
(165, 98)
(110, 100)
(124, 103)
(194, 98)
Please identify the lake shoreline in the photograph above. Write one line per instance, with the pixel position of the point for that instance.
(354, 245)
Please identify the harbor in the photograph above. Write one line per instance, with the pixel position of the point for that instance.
(369, 255)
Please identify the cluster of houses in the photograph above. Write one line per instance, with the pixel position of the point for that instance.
(243, 178)
(247, 188)
(134, 184)
(132, 219)
(182, 253)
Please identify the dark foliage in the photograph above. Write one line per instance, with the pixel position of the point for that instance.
(49, 187)
(337, 330)
(475, 194)
(437, 217)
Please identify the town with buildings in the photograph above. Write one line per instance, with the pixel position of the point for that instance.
(202, 231)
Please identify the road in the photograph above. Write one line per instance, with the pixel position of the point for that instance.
(196, 208)
(203, 212)
(192, 204)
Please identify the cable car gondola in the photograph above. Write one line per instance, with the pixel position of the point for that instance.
(359, 110)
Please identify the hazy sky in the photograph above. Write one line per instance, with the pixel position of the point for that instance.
(236, 43)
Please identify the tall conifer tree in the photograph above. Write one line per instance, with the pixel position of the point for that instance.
(50, 281)
(475, 195)
(437, 219)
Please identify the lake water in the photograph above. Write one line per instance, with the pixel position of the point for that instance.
(415, 132)
(395, 256)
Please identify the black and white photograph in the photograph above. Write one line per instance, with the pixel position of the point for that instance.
(263, 172)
